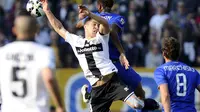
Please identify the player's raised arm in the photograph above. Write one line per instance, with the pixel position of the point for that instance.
(56, 24)
(104, 26)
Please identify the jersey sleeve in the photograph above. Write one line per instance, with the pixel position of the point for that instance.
(197, 79)
(71, 38)
(49, 60)
(159, 76)
(120, 22)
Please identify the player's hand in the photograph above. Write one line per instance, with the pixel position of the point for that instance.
(123, 60)
(83, 11)
(45, 5)
(59, 109)
(79, 24)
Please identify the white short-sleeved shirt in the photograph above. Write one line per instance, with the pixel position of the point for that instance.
(93, 55)
(22, 87)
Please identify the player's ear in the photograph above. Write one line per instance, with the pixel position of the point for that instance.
(14, 30)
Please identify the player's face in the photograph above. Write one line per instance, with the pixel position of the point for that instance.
(92, 27)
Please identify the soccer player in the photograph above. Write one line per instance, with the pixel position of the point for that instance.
(93, 55)
(176, 81)
(116, 52)
(27, 71)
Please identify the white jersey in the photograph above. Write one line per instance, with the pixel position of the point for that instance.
(21, 82)
(93, 55)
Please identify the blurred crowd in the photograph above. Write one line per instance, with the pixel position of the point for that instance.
(147, 22)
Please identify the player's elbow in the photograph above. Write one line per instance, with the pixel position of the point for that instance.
(105, 24)
(165, 98)
(47, 75)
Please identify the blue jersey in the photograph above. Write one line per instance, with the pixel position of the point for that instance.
(182, 81)
(113, 18)
(118, 20)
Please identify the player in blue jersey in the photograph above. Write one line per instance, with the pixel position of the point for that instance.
(176, 81)
(116, 51)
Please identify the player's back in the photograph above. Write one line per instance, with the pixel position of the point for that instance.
(118, 20)
(182, 81)
(21, 81)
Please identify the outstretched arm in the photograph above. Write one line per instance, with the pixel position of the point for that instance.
(115, 40)
(56, 24)
(104, 26)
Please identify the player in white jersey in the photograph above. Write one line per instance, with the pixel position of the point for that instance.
(92, 53)
(27, 71)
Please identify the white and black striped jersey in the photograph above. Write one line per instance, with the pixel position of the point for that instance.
(93, 55)
(21, 82)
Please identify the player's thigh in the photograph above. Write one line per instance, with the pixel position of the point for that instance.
(129, 76)
(100, 107)
(122, 92)
(139, 92)
(101, 97)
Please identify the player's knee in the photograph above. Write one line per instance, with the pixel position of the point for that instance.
(139, 92)
(134, 102)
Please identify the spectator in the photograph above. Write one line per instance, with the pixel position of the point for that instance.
(157, 22)
(134, 52)
(2, 19)
(169, 29)
(3, 40)
(63, 11)
(154, 57)
(190, 5)
(44, 33)
(54, 37)
(179, 17)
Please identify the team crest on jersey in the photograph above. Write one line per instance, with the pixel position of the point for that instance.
(89, 48)
(122, 21)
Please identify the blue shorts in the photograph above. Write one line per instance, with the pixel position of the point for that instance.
(129, 76)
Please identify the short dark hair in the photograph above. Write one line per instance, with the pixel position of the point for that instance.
(106, 3)
(171, 48)
(85, 20)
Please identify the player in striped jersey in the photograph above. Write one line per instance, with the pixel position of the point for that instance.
(93, 55)
(116, 52)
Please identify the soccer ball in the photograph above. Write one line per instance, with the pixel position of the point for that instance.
(35, 8)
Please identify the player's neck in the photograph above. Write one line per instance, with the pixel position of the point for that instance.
(88, 37)
(25, 38)
(106, 10)
(167, 60)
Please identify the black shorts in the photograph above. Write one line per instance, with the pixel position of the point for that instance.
(103, 96)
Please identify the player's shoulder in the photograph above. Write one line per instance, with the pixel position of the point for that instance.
(7, 47)
(161, 66)
(43, 48)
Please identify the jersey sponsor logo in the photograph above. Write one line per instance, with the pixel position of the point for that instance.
(107, 17)
(89, 48)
